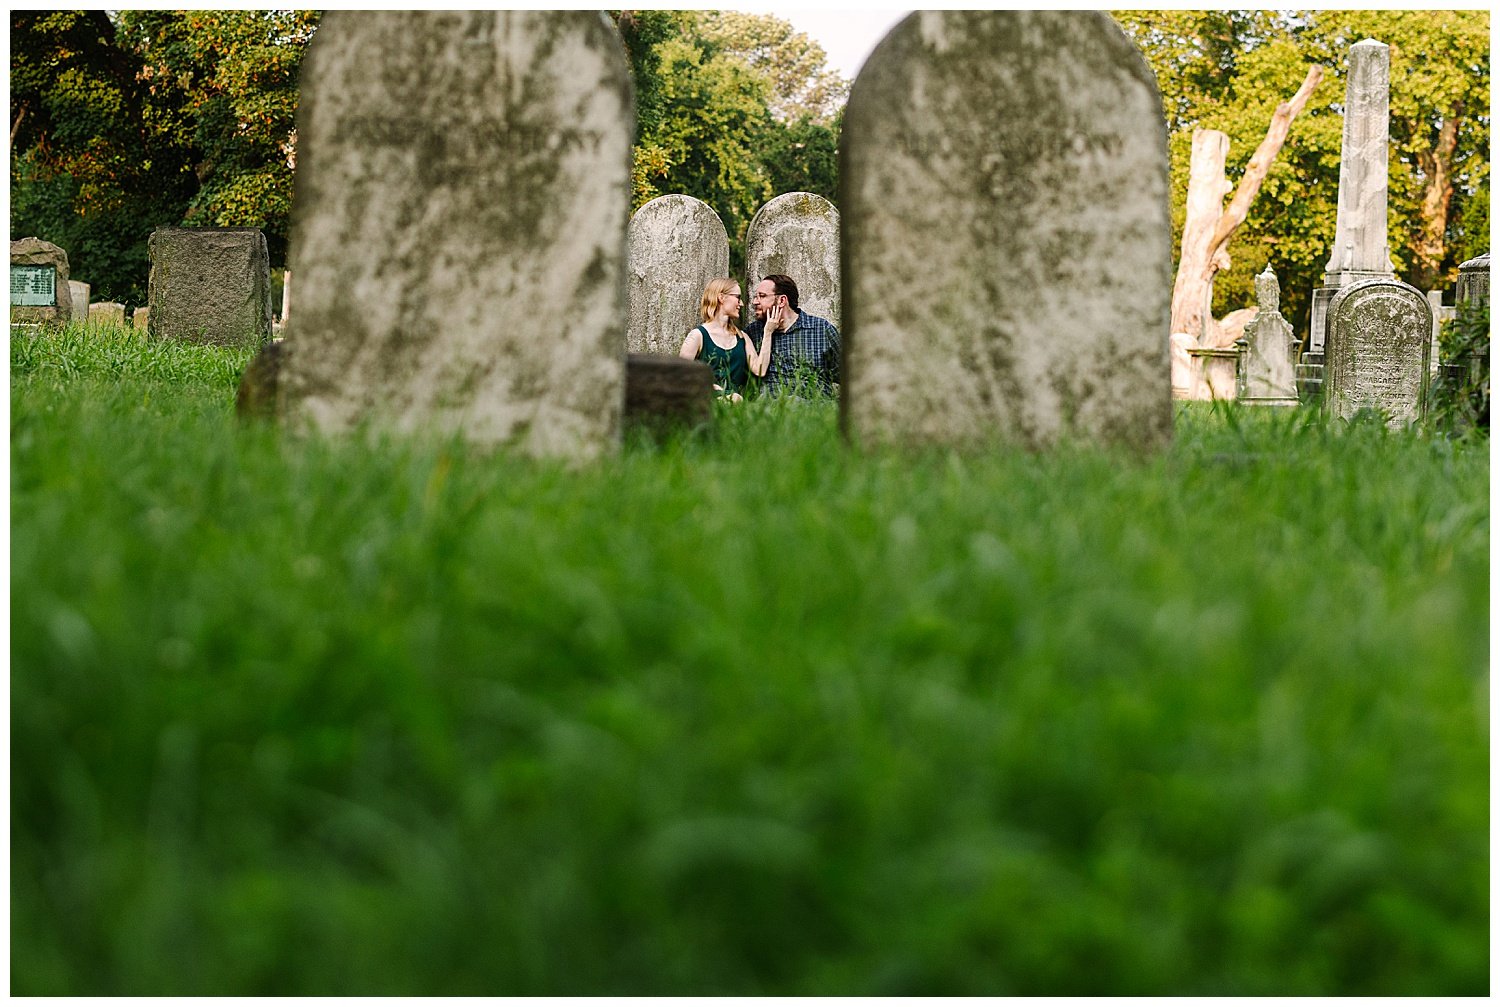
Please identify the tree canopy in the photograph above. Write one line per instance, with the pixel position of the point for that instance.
(1227, 70)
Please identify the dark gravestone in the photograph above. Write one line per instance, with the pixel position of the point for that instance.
(663, 392)
(257, 397)
(1007, 259)
(210, 285)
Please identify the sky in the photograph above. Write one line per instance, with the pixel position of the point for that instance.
(847, 35)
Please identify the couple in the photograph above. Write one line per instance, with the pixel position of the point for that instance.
(784, 346)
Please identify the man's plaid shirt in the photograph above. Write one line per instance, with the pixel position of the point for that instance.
(811, 345)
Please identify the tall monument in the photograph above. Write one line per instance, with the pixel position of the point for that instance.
(1360, 247)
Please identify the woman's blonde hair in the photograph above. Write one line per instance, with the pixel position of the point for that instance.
(708, 308)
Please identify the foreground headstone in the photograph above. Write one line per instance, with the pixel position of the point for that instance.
(677, 244)
(1269, 376)
(797, 235)
(39, 293)
(257, 398)
(1378, 342)
(1006, 237)
(463, 190)
(210, 285)
(107, 313)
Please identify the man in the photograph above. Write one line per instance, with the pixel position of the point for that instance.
(804, 347)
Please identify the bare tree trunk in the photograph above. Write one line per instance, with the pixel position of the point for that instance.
(16, 126)
(1207, 188)
(1437, 194)
(1209, 226)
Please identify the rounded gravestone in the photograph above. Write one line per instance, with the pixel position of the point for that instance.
(1007, 244)
(1474, 280)
(797, 235)
(458, 236)
(677, 244)
(1379, 338)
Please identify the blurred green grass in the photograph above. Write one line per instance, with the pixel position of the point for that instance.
(749, 713)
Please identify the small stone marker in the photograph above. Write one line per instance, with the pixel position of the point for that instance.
(140, 319)
(664, 391)
(1006, 236)
(80, 294)
(1378, 341)
(107, 313)
(677, 244)
(39, 291)
(257, 398)
(797, 235)
(463, 192)
(1270, 377)
(210, 285)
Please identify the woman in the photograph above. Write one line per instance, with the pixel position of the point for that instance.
(719, 342)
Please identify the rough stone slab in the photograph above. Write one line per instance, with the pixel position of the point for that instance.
(1007, 261)
(458, 237)
(797, 235)
(664, 391)
(677, 244)
(210, 285)
(1378, 341)
(34, 252)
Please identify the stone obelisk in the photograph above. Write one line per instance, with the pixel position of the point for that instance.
(1360, 248)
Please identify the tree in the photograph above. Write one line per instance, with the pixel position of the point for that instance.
(802, 87)
(1228, 71)
(147, 119)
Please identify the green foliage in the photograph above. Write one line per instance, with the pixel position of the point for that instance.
(732, 109)
(150, 119)
(1228, 70)
(1459, 401)
(749, 714)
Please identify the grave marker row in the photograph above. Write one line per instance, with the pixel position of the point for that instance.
(462, 264)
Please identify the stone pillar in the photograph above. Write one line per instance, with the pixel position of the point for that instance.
(1360, 247)
(39, 293)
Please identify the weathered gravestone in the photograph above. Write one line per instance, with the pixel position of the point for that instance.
(80, 294)
(1268, 376)
(1376, 352)
(463, 191)
(677, 244)
(39, 283)
(797, 235)
(1474, 280)
(107, 313)
(140, 319)
(210, 285)
(1006, 239)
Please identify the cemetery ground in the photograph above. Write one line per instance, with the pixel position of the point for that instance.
(743, 713)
